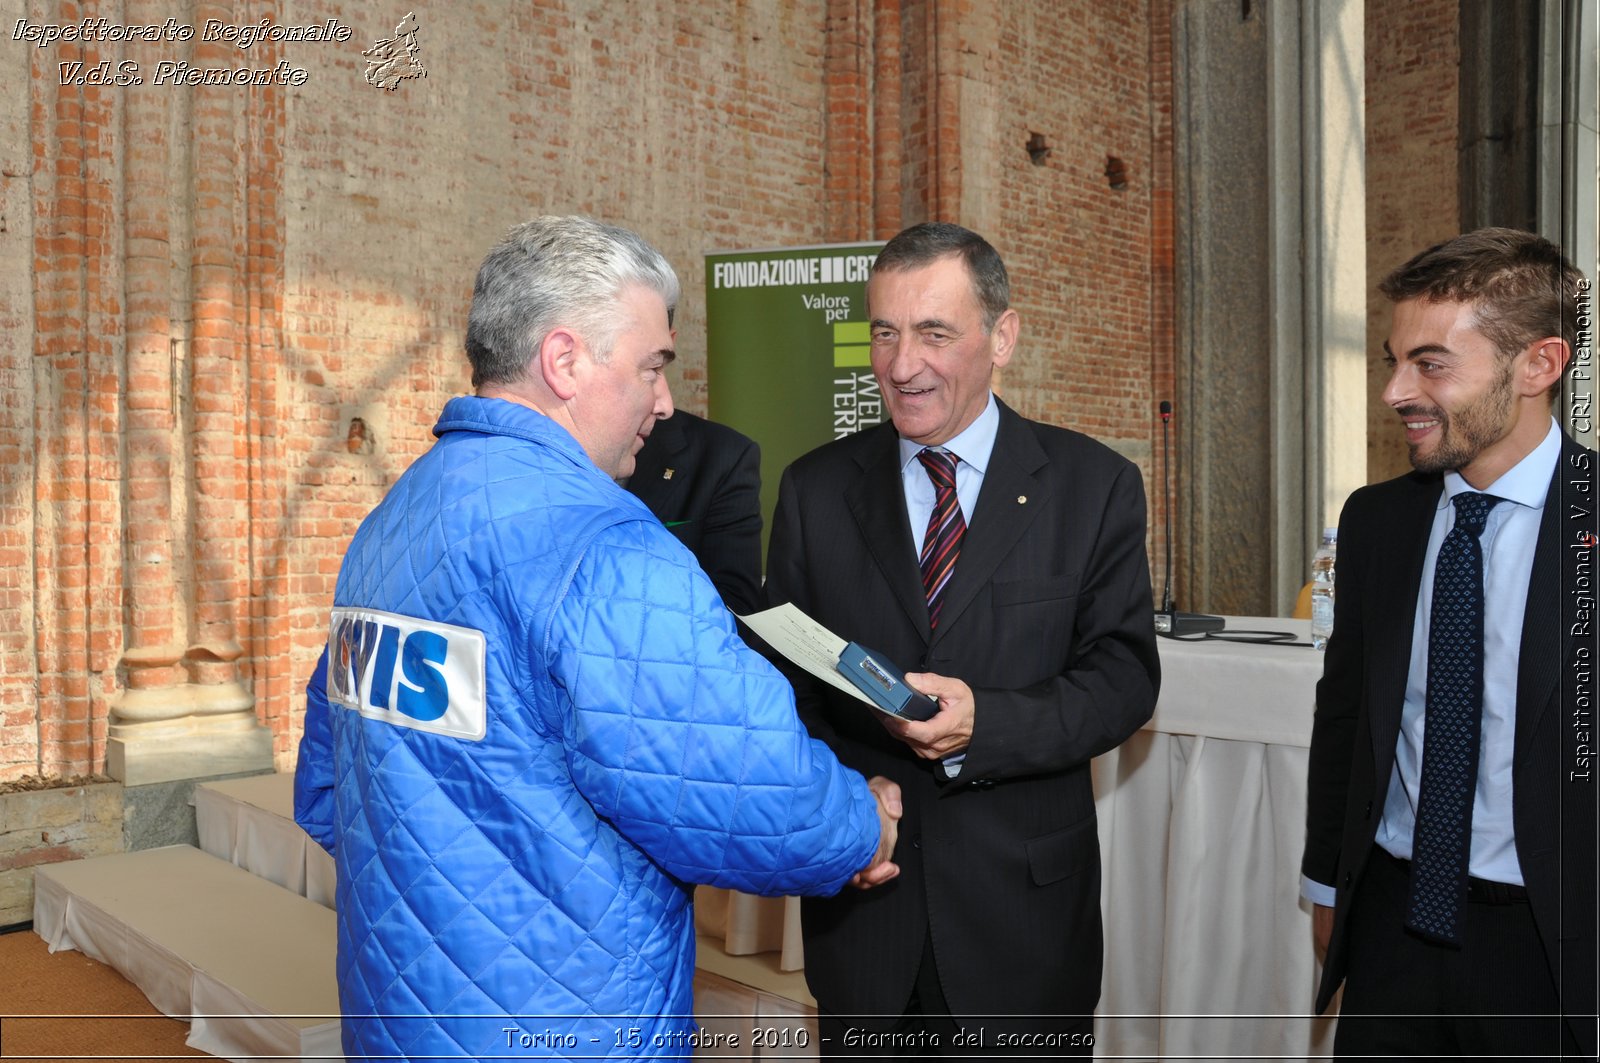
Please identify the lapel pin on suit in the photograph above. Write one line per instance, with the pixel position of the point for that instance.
(666, 474)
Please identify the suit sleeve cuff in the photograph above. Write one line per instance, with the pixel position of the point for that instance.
(1317, 893)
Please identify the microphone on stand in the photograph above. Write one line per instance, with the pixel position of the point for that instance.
(1169, 621)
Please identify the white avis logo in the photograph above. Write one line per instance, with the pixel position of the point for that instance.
(408, 672)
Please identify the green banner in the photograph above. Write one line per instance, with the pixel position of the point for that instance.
(788, 353)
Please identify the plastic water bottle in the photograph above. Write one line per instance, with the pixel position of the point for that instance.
(1322, 565)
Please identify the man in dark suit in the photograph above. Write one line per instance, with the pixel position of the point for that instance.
(1451, 822)
(703, 481)
(1019, 596)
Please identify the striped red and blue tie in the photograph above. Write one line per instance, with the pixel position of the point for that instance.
(942, 544)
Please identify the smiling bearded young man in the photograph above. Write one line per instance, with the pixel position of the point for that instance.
(1450, 846)
(1002, 561)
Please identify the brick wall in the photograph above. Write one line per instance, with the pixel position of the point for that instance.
(1090, 254)
(245, 305)
(69, 462)
(19, 730)
(704, 127)
(231, 314)
(40, 827)
(1413, 51)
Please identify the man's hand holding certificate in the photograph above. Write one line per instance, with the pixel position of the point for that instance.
(930, 713)
(866, 676)
(945, 735)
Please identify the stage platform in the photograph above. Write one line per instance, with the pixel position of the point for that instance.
(250, 822)
(248, 963)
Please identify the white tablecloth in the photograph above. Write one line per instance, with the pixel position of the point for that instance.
(1202, 817)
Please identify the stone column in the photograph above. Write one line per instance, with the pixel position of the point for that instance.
(1569, 190)
(185, 711)
(1332, 240)
(1270, 161)
(153, 647)
(1499, 112)
(1221, 434)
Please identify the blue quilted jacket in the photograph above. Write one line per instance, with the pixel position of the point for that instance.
(533, 729)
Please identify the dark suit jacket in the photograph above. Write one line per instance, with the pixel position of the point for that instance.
(1048, 618)
(711, 500)
(1383, 537)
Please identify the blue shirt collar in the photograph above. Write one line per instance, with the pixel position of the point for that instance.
(1526, 483)
(973, 444)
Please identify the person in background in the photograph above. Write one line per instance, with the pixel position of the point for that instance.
(1450, 845)
(534, 726)
(1002, 562)
(703, 480)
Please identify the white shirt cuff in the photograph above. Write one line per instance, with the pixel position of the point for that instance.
(1317, 893)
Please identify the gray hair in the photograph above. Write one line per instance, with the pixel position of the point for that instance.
(553, 272)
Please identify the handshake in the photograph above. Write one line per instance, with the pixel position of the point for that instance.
(943, 736)
(882, 869)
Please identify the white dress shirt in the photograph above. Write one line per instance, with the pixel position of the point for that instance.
(972, 446)
(1509, 537)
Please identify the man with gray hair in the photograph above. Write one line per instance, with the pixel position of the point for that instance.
(534, 727)
(1002, 562)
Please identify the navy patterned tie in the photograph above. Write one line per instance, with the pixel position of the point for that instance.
(1454, 705)
(942, 543)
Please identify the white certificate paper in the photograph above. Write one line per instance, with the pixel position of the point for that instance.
(806, 643)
